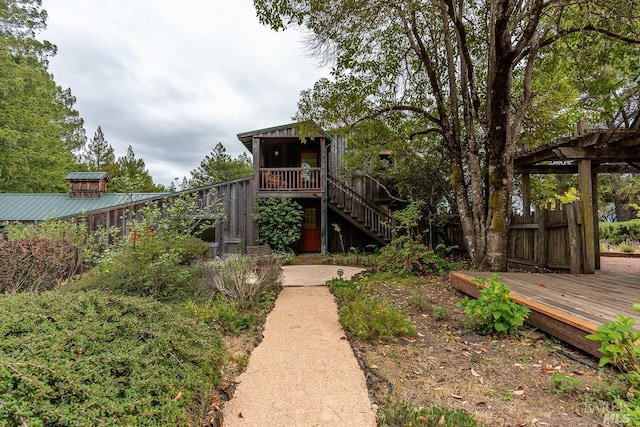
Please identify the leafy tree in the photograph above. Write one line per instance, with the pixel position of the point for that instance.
(131, 176)
(219, 166)
(98, 155)
(461, 73)
(39, 128)
(619, 196)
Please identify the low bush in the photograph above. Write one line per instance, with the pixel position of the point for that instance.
(616, 233)
(34, 265)
(190, 249)
(405, 256)
(494, 312)
(225, 316)
(369, 319)
(620, 346)
(344, 290)
(100, 359)
(440, 312)
(147, 267)
(243, 279)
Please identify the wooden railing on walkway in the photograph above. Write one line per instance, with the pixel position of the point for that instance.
(549, 238)
(237, 203)
(359, 211)
(290, 179)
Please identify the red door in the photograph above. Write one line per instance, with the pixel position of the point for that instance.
(310, 238)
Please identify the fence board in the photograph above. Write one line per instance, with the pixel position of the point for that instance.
(549, 238)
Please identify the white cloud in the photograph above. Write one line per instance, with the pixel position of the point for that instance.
(174, 78)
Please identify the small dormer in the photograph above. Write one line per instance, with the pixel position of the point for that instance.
(87, 184)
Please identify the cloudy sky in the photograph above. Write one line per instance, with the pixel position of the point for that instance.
(174, 78)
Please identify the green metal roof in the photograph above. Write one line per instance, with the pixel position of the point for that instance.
(40, 207)
(86, 176)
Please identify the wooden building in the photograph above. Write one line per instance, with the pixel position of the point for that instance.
(306, 168)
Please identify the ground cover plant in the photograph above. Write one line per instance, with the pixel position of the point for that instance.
(91, 358)
(142, 339)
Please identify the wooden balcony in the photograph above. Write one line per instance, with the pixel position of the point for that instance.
(290, 179)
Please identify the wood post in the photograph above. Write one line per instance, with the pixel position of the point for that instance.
(586, 197)
(575, 248)
(526, 196)
(541, 256)
(596, 222)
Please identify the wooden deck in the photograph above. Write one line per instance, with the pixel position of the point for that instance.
(567, 306)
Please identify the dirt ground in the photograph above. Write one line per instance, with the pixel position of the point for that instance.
(534, 381)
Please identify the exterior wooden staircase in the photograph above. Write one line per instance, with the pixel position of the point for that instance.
(360, 212)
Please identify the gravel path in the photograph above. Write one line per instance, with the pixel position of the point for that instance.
(304, 372)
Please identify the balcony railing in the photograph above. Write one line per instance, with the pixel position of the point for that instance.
(290, 179)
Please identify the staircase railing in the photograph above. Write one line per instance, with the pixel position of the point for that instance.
(360, 210)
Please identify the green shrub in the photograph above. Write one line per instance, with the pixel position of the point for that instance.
(402, 414)
(619, 232)
(190, 249)
(494, 312)
(369, 319)
(34, 265)
(405, 256)
(98, 359)
(279, 222)
(149, 266)
(620, 346)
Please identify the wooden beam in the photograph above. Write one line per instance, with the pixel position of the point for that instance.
(586, 197)
(607, 154)
(572, 169)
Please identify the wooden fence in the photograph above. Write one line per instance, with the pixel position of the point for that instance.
(550, 238)
(232, 234)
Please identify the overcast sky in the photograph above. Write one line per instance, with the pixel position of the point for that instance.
(174, 78)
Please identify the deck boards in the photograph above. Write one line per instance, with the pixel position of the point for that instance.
(579, 301)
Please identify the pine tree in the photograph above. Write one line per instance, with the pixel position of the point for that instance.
(99, 155)
(219, 166)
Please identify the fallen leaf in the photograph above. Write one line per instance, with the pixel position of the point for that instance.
(373, 367)
(441, 420)
(518, 393)
(240, 415)
(455, 396)
(423, 419)
(343, 338)
(474, 373)
(178, 396)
